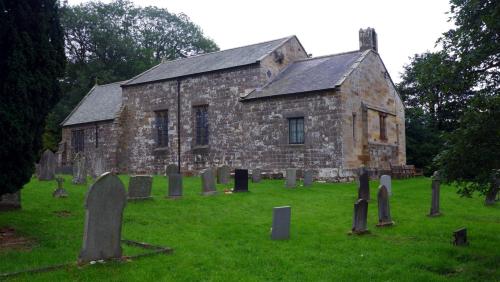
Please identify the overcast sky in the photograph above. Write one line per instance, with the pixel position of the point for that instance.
(404, 27)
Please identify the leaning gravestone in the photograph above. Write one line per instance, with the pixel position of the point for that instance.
(256, 175)
(139, 187)
(460, 237)
(436, 182)
(223, 174)
(360, 217)
(240, 180)
(384, 210)
(79, 169)
(363, 184)
(308, 177)
(104, 205)
(281, 223)
(10, 201)
(60, 192)
(386, 181)
(171, 168)
(291, 178)
(208, 182)
(47, 166)
(492, 194)
(174, 186)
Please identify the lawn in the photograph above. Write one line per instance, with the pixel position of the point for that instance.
(226, 237)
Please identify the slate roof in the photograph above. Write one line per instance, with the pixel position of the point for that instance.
(326, 72)
(101, 103)
(209, 62)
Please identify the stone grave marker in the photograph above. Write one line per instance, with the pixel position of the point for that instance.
(384, 211)
(47, 166)
(386, 181)
(363, 184)
(79, 169)
(256, 175)
(308, 177)
(60, 192)
(460, 237)
(360, 217)
(492, 194)
(37, 170)
(171, 168)
(436, 182)
(223, 174)
(281, 223)
(10, 201)
(139, 187)
(291, 178)
(208, 182)
(174, 186)
(104, 205)
(240, 180)
(99, 165)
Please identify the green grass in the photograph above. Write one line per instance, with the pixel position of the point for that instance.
(226, 237)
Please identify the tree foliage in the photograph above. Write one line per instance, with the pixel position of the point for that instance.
(31, 61)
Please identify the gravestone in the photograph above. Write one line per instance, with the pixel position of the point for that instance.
(223, 174)
(99, 165)
(104, 205)
(291, 178)
(171, 168)
(79, 169)
(47, 166)
(386, 181)
(10, 201)
(436, 182)
(363, 184)
(240, 180)
(308, 177)
(384, 210)
(139, 187)
(60, 192)
(359, 221)
(208, 182)
(174, 186)
(460, 237)
(492, 194)
(37, 170)
(256, 175)
(281, 223)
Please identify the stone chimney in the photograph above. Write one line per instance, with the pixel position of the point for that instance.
(368, 39)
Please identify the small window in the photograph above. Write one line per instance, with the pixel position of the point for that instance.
(201, 125)
(161, 121)
(296, 130)
(96, 136)
(77, 140)
(354, 127)
(383, 133)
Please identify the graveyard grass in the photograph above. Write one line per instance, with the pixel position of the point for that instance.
(227, 237)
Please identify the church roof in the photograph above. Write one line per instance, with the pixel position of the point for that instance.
(313, 74)
(229, 58)
(101, 103)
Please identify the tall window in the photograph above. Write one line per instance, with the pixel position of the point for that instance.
(354, 127)
(77, 140)
(96, 136)
(296, 130)
(201, 125)
(383, 131)
(161, 120)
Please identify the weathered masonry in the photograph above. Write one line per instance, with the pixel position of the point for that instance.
(266, 106)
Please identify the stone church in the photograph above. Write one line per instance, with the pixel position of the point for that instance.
(268, 105)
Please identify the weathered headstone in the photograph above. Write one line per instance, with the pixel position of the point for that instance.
(208, 182)
(171, 168)
(492, 194)
(104, 205)
(359, 221)
(386, 181)
(174, 185)
(98, 164)
(291, 178)
(10, 201)
(47, 166)
(37, 170)
(384, 210)
(60, 192)
(256, 175)
(240, 180)
(139, 187)
(363, 184)
(308, 177)
(281, 223)
(460, 237)
(436, 182)
(79, 169)
(223, 174)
